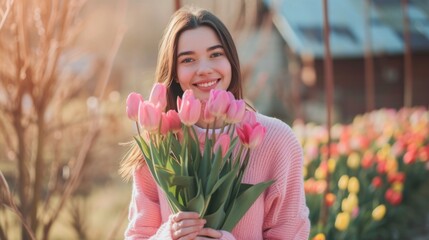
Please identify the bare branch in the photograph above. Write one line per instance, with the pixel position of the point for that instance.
(6, 199)
(9, 4)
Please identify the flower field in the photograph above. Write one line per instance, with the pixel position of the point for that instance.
(374, 182)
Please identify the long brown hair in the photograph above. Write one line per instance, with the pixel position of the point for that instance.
(186, 18)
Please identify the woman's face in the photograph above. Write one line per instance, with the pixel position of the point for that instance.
(201, 62)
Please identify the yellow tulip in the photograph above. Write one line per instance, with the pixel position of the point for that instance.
(398, 187)
(342, 221)
(343, 182)
(320, 173)
(349, 203)
(379, 212)
(353, 185)
(353, 161)
(332, 163)
(319, 236)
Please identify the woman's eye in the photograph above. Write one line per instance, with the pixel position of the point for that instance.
(187, 60)
(217, 54)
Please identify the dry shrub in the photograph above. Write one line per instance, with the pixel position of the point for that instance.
(48, 122)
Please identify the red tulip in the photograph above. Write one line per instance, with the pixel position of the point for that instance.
(367, 160)
(394, 198)
(410, 157)
(133, 101)
(424, 153)
(189, 108)
(377, 182)
(396, 177)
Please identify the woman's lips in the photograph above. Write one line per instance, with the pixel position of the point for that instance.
(207, 85)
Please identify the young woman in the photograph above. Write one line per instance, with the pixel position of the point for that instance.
(197, 52)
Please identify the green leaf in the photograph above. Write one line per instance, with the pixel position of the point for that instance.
(183, 181)
(216, 219)
(204, 166)
(221, 192)
(243, 203)
(214, 172)
(196, 204)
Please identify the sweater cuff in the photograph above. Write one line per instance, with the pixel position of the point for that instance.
(164, 232)
(227, 236)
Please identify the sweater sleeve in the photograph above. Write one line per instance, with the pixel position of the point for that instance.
(285, 207)
(144, 209)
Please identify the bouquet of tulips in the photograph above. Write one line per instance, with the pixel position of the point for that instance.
(200, 172)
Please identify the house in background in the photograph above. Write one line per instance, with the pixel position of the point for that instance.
(295, 57)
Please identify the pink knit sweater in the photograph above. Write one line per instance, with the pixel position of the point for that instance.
(279, 213)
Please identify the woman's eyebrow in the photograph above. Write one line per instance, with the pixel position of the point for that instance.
(214, 47)
(192, 52)
(185, 53)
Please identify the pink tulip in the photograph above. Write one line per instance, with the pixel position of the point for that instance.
(174, 121)
(165, 124)
(236, 110)
(158, 96)
(133, 101)
(218, 103)
(222, 142)
(208, 118)
(149, 116)
(251, 136)
(249, 118)
(189, 108)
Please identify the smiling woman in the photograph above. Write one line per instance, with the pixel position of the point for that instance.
(198, 56)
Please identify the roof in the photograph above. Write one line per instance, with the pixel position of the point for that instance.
(300, 23)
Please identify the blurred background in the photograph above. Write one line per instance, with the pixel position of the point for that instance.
(66, 68)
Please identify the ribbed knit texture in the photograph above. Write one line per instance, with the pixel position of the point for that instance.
(279, 213)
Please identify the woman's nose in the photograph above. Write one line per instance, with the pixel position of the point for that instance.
(204, 67)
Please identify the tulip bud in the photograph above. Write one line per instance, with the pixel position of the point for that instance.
(158, 96)
(377, 182)
(236, 110)
(332, 163)
(319, 236)
(342, 221)
(353, 161)
(189, 108)
(343, 182)
(133, 101)
(353, 185)
(174, 121)
(379, 212)
(149, 116)
(251, 136)
(218, 103)
(330, 199)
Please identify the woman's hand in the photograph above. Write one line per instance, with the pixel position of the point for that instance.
(186, 226)
(209, 233)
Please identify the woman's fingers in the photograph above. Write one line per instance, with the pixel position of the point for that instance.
(186, 225)
(209, 232)
(185, 215)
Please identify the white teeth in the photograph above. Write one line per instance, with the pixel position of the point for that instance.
(207, 84)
